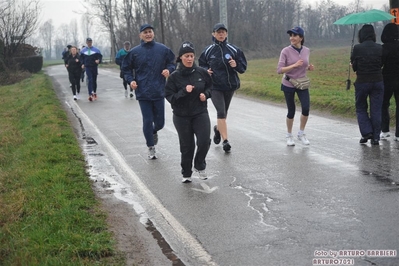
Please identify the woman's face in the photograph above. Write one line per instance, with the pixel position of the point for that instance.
(295, 39)
(73, 50)
(187, 59)
(220, 35)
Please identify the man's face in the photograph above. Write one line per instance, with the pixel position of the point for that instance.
(89, 43)
(147, 35)
(127, 47)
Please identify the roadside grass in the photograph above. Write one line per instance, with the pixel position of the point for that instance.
(328, 81)
(48, 211)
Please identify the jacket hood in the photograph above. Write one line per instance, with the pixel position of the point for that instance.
(390, 33)
(367, 33)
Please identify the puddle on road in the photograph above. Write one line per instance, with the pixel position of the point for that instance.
(163, 244)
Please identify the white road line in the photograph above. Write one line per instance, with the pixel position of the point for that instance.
(165, 222)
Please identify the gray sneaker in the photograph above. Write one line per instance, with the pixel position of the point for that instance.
(202, 174)
(303, 138)
(152, 153)
(155, 138)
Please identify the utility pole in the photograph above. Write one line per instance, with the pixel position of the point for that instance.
(223, 12)
(161, 18)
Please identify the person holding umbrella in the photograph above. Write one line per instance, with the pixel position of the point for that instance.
(366, 61)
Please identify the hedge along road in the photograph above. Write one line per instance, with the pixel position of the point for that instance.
(264, 203)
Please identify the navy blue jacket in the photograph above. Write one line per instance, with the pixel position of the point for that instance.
(88, 56)
(144, 64)
(216, 57)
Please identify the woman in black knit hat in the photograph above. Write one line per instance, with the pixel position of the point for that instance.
(187, 89)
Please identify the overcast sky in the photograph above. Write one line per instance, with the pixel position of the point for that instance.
(61, 11)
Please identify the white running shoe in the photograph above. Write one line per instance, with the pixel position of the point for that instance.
(396, 138)
(303, 138)
(75, 98)
(126, 93)
(202, 174)
(290, 141)
(152, 153)
(384, 135)
(186, 180)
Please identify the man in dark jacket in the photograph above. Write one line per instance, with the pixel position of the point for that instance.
(146, 68)
(91, 57)
(366, 61)
(390, 73)
(223, 61)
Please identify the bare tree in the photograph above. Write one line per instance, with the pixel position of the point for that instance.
(47, 33)
(104, 11)
(87, 25)
(18, 22)
(73, 27)
(64, 33)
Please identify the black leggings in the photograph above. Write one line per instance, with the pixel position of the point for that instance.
(221, 100)
(304, 98)
(74, 79)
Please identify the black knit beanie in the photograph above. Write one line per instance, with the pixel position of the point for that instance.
(185, 47)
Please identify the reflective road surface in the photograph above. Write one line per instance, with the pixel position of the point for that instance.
(334, 201)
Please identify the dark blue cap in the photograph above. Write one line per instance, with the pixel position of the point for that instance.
(297, 30)
(146, 26)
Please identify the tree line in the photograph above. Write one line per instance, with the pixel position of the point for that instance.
(257, 26)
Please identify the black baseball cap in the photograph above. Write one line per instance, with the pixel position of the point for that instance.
(219, 26)
(89, 39)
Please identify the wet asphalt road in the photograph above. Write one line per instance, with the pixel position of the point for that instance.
(264, 203)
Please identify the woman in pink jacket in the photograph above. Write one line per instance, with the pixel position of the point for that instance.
(293, 63)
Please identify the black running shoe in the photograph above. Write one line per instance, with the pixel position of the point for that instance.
(226, 146)
(216, 138)
(375, 142)
(364, 139)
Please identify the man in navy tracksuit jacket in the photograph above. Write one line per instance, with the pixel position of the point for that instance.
(146, 68)
(90, 57)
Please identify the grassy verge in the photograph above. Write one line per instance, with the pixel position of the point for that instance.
(48, 212)
(328, 89)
